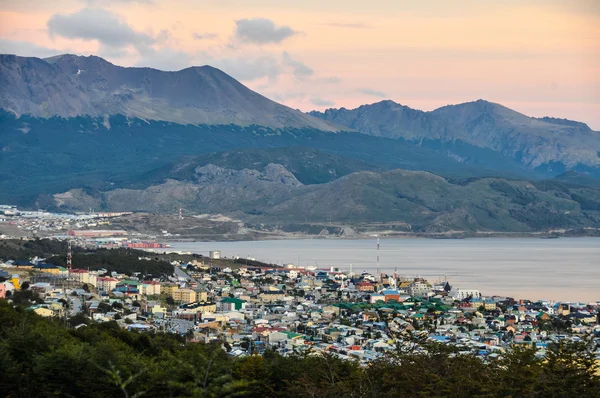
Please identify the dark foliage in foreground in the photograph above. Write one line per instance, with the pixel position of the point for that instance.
(43, 357)
(126, 261)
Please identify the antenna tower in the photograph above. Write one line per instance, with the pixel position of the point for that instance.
(70, 256)
(180, 213)
(378, 270)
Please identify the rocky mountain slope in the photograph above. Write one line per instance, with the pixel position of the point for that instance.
(424, 201)
(79, 132)
(308, 165)
(44, 156)
(548, 144)
(69, 85)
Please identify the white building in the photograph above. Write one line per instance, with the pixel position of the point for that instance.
(107, 284)
(419, 289)
(150, 288)
(461, 294)
(82, 276)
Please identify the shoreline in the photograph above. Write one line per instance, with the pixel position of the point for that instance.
(492, 235)
(529, 269)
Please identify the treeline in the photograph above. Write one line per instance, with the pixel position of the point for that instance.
(125, 261)
(44, 357)
(19, 249)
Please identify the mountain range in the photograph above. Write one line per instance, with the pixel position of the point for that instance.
(547, 144)
(420, 201)
(69, 85)
(79, 132)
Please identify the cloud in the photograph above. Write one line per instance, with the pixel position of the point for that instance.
(104, 2)
(27, 49)
(248, 68)
(261, 31)
(321, 102)
(373, 93)
(299, 69)
(204, 36)
(165, 59)
(347, 25)
(282, 97)
(328, 80)
(100, 25)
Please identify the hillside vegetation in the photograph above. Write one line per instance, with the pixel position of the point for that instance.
(42, 357)
(427, 202)
(41, 157)
(126, 261)
(547, 144)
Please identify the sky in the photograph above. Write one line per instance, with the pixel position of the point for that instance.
(541, 58)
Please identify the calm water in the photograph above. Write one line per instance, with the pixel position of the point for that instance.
(557, 269)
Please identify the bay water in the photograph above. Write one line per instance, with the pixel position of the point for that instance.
(564, 269)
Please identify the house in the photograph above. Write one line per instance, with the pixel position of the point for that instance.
(82, 276)
(563, 309)
(419, 288)
(231, 304)
(200, 308)
(489, 304)
(106, 284)
(168, 288)
(128, 287)
(376, 297)
(391, 295)
(42, 311)
(272, 296)
(201, 295)
(150, 288)
(476, 302)
(365, 286)
(542, 317)
(461, 294)
(331, 309)
(47, 268)
(2, 290)
(15, 280)
(157, 309)
(184, 295)
(26, 264)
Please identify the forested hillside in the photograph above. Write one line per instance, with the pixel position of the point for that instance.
(42, 357)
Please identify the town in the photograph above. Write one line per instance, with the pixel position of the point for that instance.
(251, 307)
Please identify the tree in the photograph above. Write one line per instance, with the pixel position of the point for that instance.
(64, 303)
(86, 288)
(170, 300)
(25, 285)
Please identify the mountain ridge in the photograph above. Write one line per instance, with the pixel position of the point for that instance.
(264, 161)
(69, 85)
(423, 201)
(535, 142)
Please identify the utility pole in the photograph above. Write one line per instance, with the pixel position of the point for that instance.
(70, 256)
(378, 270)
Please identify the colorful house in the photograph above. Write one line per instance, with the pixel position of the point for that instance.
(231, 304)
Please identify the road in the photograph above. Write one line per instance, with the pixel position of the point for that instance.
(182, 274)
(75, 305)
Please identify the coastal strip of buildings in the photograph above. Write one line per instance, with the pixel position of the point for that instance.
(358, 316)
